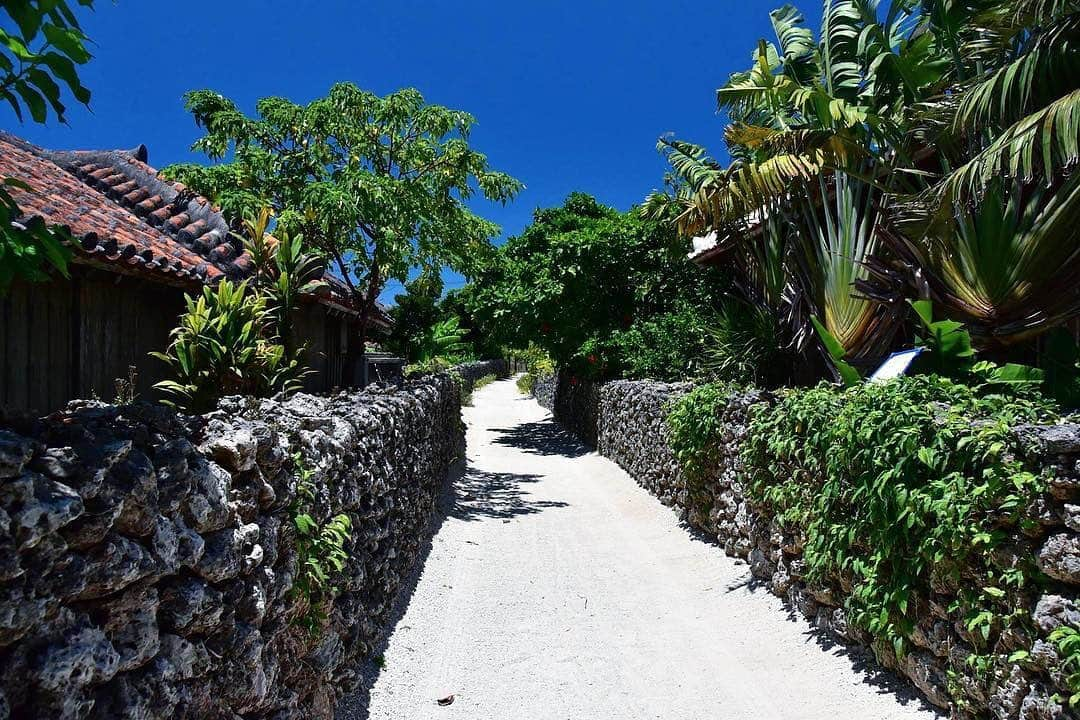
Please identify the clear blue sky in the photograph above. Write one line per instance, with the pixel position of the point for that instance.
(568, 95)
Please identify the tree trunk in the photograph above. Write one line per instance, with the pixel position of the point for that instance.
(366, 309)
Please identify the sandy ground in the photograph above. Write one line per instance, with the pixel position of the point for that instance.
(555, 587)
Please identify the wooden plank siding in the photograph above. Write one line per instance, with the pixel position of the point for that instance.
(68, 339)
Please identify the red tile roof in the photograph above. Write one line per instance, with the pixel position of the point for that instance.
(121, 213)
(124, 216)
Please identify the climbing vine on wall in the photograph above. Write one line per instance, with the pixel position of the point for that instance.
(696, 427)
(320, 550)
(898, 490)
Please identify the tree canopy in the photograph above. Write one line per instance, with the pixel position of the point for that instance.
(378, 185)
(583, 273)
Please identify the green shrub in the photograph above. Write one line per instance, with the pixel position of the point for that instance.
(897, 487)
(695, 430)
(537, 363)
(668, 346)
(320, 551)
(224, 345)
(743, 346)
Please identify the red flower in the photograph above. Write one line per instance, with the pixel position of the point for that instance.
(592, 359)
(545, 327)
(573, 381)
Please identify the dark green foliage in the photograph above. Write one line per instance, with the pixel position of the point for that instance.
(666, 346)
(1061, 361)
(40, 46)
(896, 487)
(743, 346)
(415, 311)
(581, 275)
(27, 251)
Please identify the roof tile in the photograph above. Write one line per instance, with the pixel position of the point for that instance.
(121, 212)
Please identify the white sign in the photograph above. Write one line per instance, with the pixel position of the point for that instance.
(895, 365)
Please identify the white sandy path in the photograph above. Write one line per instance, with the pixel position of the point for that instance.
(557, 588)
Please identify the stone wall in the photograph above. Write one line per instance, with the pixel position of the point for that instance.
(544, 391)
(472, 371)
(148, 560)
(631, 431)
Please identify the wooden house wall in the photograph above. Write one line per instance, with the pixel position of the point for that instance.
(69, 339)
(310, 331)
(329, 353)
(73, 338)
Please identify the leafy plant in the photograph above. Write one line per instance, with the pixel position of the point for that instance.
(45, 47)
(28, 247)
(667, 346)
(537, 364)
(898, 487)
(847, 373)
(223, 346)
(283, 271)
(743, 345)
(444, 340)
(814, 145)
(695, 432)
(39, 49)
(320, 550)
(946, 344)
(1066, 639)
(126, 387)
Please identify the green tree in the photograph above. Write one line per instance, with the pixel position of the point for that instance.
(910, 149)
(816, 141)
(41, 44)
(377, 185)
(415, 311)
(993, 239)
(579, 275)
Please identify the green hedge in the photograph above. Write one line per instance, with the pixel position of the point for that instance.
(899, 489)
(898, 492)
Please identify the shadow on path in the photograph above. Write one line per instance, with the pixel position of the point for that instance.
(544, 437)
(482, 495)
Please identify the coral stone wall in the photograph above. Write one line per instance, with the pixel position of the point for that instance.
(148, 560)
(544, 391)
(629, 417)
(472, 371)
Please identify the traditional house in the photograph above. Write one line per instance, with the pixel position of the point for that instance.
(139, 242)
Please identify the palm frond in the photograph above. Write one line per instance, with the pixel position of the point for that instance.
(1039, 145)
(1048, 69)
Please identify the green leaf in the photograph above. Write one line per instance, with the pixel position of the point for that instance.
(69, 41)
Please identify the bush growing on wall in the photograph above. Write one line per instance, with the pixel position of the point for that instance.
(695, 428)
(898, 489)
